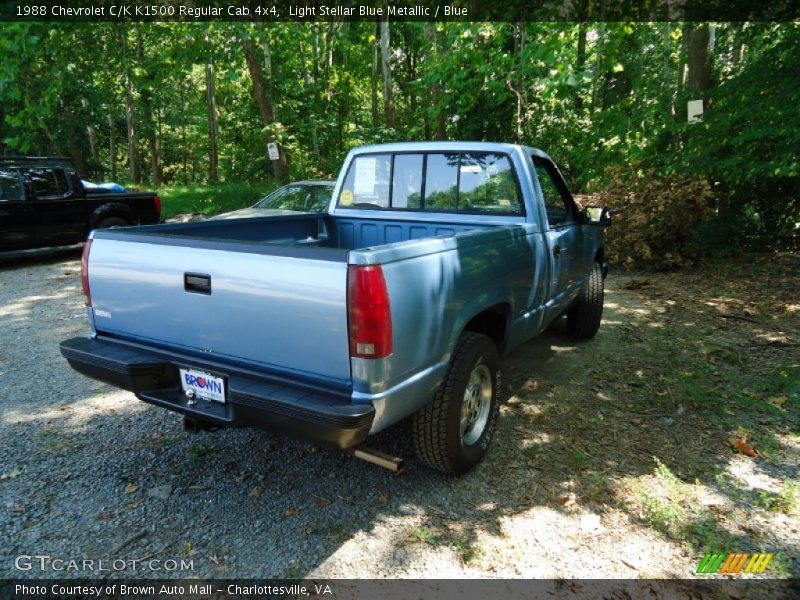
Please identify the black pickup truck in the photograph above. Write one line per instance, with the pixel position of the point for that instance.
(43, 203)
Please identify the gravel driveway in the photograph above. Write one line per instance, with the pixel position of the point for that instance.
(90, 473)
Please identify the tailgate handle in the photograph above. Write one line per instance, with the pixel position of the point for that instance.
(197, 283)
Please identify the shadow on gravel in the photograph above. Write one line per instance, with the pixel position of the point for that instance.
(44, 256)
(634, 424)
(96, 474)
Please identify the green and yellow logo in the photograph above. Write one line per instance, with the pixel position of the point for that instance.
(732, 563)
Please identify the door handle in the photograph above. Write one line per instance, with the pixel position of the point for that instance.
(197, 283)
(556, 250)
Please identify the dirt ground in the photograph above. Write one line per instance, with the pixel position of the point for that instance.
(622, 456)
(672, 434)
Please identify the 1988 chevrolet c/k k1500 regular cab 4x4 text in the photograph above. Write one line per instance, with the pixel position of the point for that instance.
(433, 260)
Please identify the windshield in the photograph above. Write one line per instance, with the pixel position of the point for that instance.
(300, 197)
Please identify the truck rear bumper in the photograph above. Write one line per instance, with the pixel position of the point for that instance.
(251, 401)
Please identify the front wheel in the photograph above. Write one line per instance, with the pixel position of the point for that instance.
(452, 433)
(583, 319)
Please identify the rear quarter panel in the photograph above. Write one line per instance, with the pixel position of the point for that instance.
(433, 296)
(135, 208)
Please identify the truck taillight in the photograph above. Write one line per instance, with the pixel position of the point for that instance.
(368, 312)
(85, 272)
(157, 202)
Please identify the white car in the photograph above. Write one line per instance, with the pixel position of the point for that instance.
(311, 195)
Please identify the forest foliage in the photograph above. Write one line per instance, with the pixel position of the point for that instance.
(183, 103)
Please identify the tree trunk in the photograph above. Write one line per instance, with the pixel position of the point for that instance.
(266, 51)
(184, 149)
(133, 140)
(315, 52)
(310, 92)
(699, 60)
(667, 89)
(130, 117)
(436, 88)
(2, 130)
(580, 63)
(112, 148)
(265, 109)
(737, 48)
(666, 41)
(267, 58)
(75, 149)
(680, 98)
(374, 79)
(388, 104)
(91, 135)
(147, 109)
(211, 104)
(408, 89)
(598, 65)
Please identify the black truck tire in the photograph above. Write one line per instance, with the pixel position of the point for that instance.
(452, 432)
(112, 222)
(584, 318)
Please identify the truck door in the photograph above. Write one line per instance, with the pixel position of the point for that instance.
(17, 219)
(564, 236)
(60, 208)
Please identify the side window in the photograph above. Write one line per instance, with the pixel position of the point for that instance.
(487, 184)
(367, 182)
(407, 181)
(10, 186)
(441, 181)
(48, 183)
(559, 209)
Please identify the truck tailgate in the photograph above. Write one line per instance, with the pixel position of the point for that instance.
(283, 312)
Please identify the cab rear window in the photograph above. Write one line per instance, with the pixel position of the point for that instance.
(463, 182)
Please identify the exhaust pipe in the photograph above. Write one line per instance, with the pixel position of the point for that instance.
(393, 463)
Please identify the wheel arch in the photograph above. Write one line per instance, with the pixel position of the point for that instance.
(492, 321)
(600, 255)
(112, 210)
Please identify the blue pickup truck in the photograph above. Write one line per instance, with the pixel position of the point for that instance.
(433, 260)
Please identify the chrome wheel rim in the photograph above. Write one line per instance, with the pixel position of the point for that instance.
(476, 405)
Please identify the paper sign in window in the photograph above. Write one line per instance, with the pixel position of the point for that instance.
(364, 184)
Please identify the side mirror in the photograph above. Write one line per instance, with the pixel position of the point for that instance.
(594, 215)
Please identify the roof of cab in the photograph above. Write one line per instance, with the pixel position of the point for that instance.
(454, 146)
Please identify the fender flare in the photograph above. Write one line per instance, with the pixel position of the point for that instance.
(110, 210)
(475, 307)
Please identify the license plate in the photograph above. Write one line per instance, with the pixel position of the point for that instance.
(204, 385)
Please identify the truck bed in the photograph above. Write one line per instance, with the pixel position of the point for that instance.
(320, 231)
(284, 291)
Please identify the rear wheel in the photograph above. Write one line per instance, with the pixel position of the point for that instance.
(452, 433)
(112, 222)
(583, 319)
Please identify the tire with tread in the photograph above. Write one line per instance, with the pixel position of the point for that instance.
(436, 428)
(112, 222)
(583, 319)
